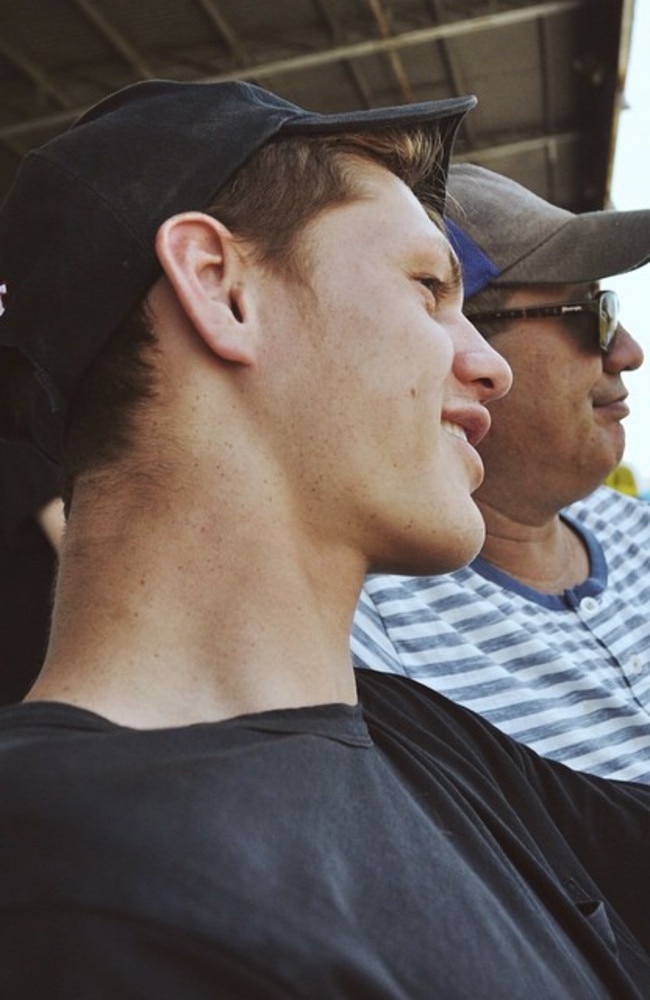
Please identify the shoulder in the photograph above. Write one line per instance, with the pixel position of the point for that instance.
(620, 526)
(436, 601)
(598, 509)
(422, 716)
(461, 742)
(157, 825)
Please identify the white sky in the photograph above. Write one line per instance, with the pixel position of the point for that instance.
(630, 190)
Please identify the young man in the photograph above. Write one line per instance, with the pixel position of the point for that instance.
(198, 799)
(547, 633)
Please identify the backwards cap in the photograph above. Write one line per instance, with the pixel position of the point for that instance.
(77, 229)
(506, 235)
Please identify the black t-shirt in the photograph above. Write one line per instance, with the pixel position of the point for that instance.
(403, 850)
(28, 481)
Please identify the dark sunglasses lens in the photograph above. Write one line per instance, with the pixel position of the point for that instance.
(607, 318)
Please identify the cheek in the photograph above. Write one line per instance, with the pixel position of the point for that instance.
(401, 416)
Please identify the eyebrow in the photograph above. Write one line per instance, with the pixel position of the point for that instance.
(453, 281)
(456, 279)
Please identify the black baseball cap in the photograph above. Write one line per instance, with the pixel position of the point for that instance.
(77, 228)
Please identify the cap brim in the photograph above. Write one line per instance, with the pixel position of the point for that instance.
(587, 247)
(445, 114)
(403, 114)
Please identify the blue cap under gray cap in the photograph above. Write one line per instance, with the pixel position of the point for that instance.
(77, 229)
(506, 235)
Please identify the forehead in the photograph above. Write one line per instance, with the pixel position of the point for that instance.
(384, 213)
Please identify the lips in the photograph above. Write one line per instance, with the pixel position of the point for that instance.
(454, 429)
(470, 425)
(616, 407)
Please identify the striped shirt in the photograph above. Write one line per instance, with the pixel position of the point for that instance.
(568, 674)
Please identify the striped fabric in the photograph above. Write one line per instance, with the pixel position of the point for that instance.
(567, 674)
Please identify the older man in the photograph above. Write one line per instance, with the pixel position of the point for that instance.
(547, 633)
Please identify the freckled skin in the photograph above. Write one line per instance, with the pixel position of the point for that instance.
(387, 315)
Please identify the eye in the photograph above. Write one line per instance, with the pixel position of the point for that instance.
(441, 292)
(433, 285)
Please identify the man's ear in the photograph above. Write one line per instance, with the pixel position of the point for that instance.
(205, 267)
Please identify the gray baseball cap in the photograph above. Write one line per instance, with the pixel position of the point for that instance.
(506, 235)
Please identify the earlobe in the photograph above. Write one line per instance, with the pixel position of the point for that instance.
(206, 268)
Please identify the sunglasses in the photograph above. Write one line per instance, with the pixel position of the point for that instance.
(604, 305)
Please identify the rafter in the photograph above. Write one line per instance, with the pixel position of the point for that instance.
(215, 16)
(515, 147)
(33, 73)
(420, 36)
(458, 84)
(262, 71)
(394, 57)
(352, 69)
(115, 38)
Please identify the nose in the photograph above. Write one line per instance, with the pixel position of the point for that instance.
(624, 355)
(479, 364)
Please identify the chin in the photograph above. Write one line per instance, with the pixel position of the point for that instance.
(617, 446)
(468, 547)
(450, 546)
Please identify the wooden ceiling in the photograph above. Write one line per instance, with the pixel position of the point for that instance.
(547, 74)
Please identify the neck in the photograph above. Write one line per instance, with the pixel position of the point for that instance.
(547, 556)
(167, 620)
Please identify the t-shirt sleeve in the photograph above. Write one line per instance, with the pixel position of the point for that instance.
(606, 823)
(602, 823)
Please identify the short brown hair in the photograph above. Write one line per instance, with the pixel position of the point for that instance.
(290, 180)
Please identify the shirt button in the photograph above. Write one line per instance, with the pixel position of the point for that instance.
(635, 664)
(588, 605)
